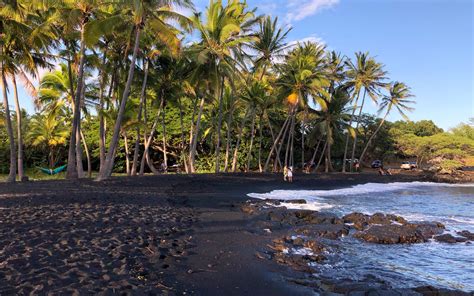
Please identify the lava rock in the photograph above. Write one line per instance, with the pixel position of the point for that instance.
(448, 238)
(330, 231)
(391, 234)
(467, 234)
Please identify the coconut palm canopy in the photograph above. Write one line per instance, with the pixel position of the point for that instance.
(134, 98)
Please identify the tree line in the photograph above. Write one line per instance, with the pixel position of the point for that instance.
(135, 86)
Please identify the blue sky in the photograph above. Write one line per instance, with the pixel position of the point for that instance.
(428, 44)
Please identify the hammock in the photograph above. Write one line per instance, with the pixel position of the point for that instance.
(53, 171)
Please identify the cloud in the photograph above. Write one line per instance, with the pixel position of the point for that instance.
(312, 39)
(301, 9)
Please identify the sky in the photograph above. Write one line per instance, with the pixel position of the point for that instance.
(427, 44)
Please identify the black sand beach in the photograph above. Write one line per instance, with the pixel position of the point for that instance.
(170, 234)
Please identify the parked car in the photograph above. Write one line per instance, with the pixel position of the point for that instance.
(376, 164)
(408, 165)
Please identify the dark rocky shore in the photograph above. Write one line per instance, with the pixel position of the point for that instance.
(180, 234)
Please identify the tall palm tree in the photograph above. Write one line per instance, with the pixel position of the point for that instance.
(398, 99)
(223, 33)
(334, 119)
(145, 15)
(368, 75)
(254, 95)
(302, 77)
(16, 34)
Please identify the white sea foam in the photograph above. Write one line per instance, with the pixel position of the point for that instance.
(354, 190)
(312, 206)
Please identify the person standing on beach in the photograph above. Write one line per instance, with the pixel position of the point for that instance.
(290, 174)
(285, 173)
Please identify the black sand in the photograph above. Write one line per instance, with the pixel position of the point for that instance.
(172, 234)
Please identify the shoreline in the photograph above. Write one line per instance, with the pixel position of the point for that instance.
(163, 234)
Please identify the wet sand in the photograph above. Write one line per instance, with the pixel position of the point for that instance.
(170, 234)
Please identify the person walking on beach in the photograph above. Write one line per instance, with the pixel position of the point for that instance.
(357, 167)
(285, 173)
(290, 174)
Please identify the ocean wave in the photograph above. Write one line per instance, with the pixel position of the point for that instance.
(353, 190)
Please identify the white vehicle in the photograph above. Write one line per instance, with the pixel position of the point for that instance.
(408, 165)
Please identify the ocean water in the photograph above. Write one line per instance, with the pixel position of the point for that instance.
(437, 264)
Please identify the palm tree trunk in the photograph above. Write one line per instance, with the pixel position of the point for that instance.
(71, 160)
(165, 156)
(275, 143)
(139, 118)
(21, 174)
(348, 134)
(315, 152)
(303, 129)
(329, 141)
(88, 157)
(252, 135)
(355, 135)
(260, 143)
(282, 142)
(127, 159)
(290, 133)
(372, 137)
(237, 145)
(193, 144)
(292, 161)
(219, 92)
(183, 139)
(227, 145)
(12, 174)
(79, 158)
(273, 140)
(321, 157)
(79, 166)
(146, 155)
(109, 161)
(101, 111)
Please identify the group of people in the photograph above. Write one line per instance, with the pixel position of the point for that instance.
(288, 174)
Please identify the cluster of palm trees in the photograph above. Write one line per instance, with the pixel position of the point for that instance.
(122, 64)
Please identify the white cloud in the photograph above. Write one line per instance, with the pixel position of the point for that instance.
(312, 39)
(301, 9)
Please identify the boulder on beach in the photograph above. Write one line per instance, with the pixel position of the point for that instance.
(391, 234)
(467, 234)
(299, 217)
(450, 239)
(330, 231)
(361, 221)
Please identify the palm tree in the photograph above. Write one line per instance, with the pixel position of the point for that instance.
(334, 119)
(302, 77)
(225, 31)
(398, 98)
(13, 27)
(366, 74)
(47, 129)
(254, 95)
(144, 15)
(55, 90)
(270, 44)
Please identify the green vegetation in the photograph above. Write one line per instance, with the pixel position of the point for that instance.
(126, 94)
